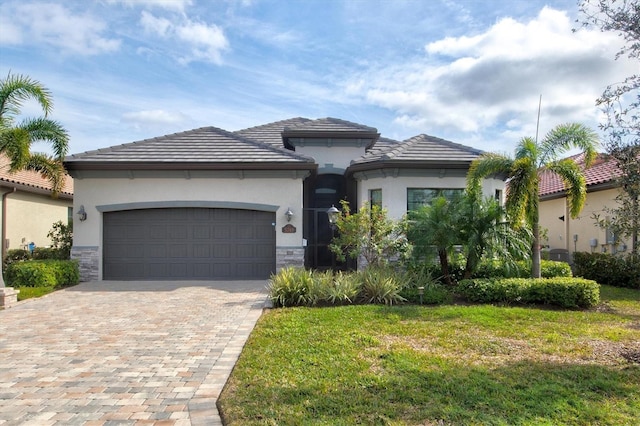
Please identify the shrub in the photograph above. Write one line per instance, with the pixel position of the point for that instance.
(553, 269)
(15, 255)
(434, 292)
(492, 268)
(43, 253)
(290, 287)
(43, 273)
(561, 291)
(342, 288)
(381, 285)
(607, 269)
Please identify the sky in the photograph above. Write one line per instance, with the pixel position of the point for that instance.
(469, 71)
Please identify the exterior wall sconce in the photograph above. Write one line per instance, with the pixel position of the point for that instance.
(561, 218)
(288, 214)
(82, 215)
(333, 213)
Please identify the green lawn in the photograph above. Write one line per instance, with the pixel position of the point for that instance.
(453, 364)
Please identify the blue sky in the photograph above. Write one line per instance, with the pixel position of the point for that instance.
(468, 71)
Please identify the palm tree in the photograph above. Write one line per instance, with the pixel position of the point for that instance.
(522, 175)
(16, 138)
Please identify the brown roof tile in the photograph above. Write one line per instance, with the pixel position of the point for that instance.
(30, 179)
(601, 171)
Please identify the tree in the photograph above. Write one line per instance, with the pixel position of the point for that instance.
(522, 174)
(435, 226)
(370, 234)
(485, 231)
(16, 139)
(621, 104)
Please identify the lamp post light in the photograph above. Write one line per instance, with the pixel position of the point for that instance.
(421, 293)
(333, 214)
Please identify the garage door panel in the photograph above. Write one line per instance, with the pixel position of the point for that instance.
(188, 243)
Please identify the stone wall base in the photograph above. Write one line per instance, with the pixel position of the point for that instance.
(289, 256)
(89, 262)
(8, 297)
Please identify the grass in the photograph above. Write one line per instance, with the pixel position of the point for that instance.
(31, 292)
(415, 365)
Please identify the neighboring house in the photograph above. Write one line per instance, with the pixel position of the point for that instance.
(28, 210)
(213, 204)
(582, 233)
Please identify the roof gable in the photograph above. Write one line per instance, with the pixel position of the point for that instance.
(420, 148)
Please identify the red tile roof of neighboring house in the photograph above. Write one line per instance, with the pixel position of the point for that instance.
(602, 170)
(31, 179)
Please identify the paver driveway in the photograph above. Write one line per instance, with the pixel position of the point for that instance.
(119, 353)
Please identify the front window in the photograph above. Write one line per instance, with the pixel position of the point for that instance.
(418, 197)
(375, 197)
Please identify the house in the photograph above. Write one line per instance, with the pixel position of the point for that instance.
(582, 233)
(28, 209)
(212, 204)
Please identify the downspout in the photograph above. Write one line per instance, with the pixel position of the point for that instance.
(4, 221)
(4, 232)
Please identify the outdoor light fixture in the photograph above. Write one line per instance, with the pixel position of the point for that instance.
(561, 218)
(333, 216)
(82, 215)
(421, 293)
(288, 214)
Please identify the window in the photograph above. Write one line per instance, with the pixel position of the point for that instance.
(418, 197)
(375, 197)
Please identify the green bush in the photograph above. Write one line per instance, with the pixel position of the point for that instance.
(381, 285)
(291, 287)
(44, 253)
(562, 291)
(15, 255)
(433, 291)
(618, 271)
(43, 273)
(497, 269)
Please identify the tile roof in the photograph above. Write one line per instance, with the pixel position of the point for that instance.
(203, 145)
(30, 179)
(420, 148)
(601, 171)
(271, 133)
(330, 125)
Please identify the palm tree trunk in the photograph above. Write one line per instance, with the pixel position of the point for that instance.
(535, 250)
(444, 264)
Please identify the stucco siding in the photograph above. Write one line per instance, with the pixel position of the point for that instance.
(30, 217)
(339, 156)
(274, 193)
(561, 233)
(394, 189)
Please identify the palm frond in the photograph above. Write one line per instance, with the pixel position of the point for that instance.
(46, 130)
(574, 183)
(16, 89)
(527, 148)
(523, 185)
(15, 144)
(49, 168)
(486, 165)
(565, 137)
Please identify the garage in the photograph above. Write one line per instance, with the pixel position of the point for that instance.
(188, 244)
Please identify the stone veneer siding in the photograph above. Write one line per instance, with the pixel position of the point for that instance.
(89, 262)
(289, 256)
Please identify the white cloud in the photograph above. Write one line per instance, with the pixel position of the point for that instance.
(53, 25)
(177, 5)
(204, 42)
(154, 117)
(477, 84)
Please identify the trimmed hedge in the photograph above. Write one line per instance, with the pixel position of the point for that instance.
(43, 273)
(618, 271)
(563, 292)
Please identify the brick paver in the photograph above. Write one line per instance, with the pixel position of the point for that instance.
(124, 353)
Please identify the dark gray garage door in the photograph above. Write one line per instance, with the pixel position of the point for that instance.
(188, 243)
